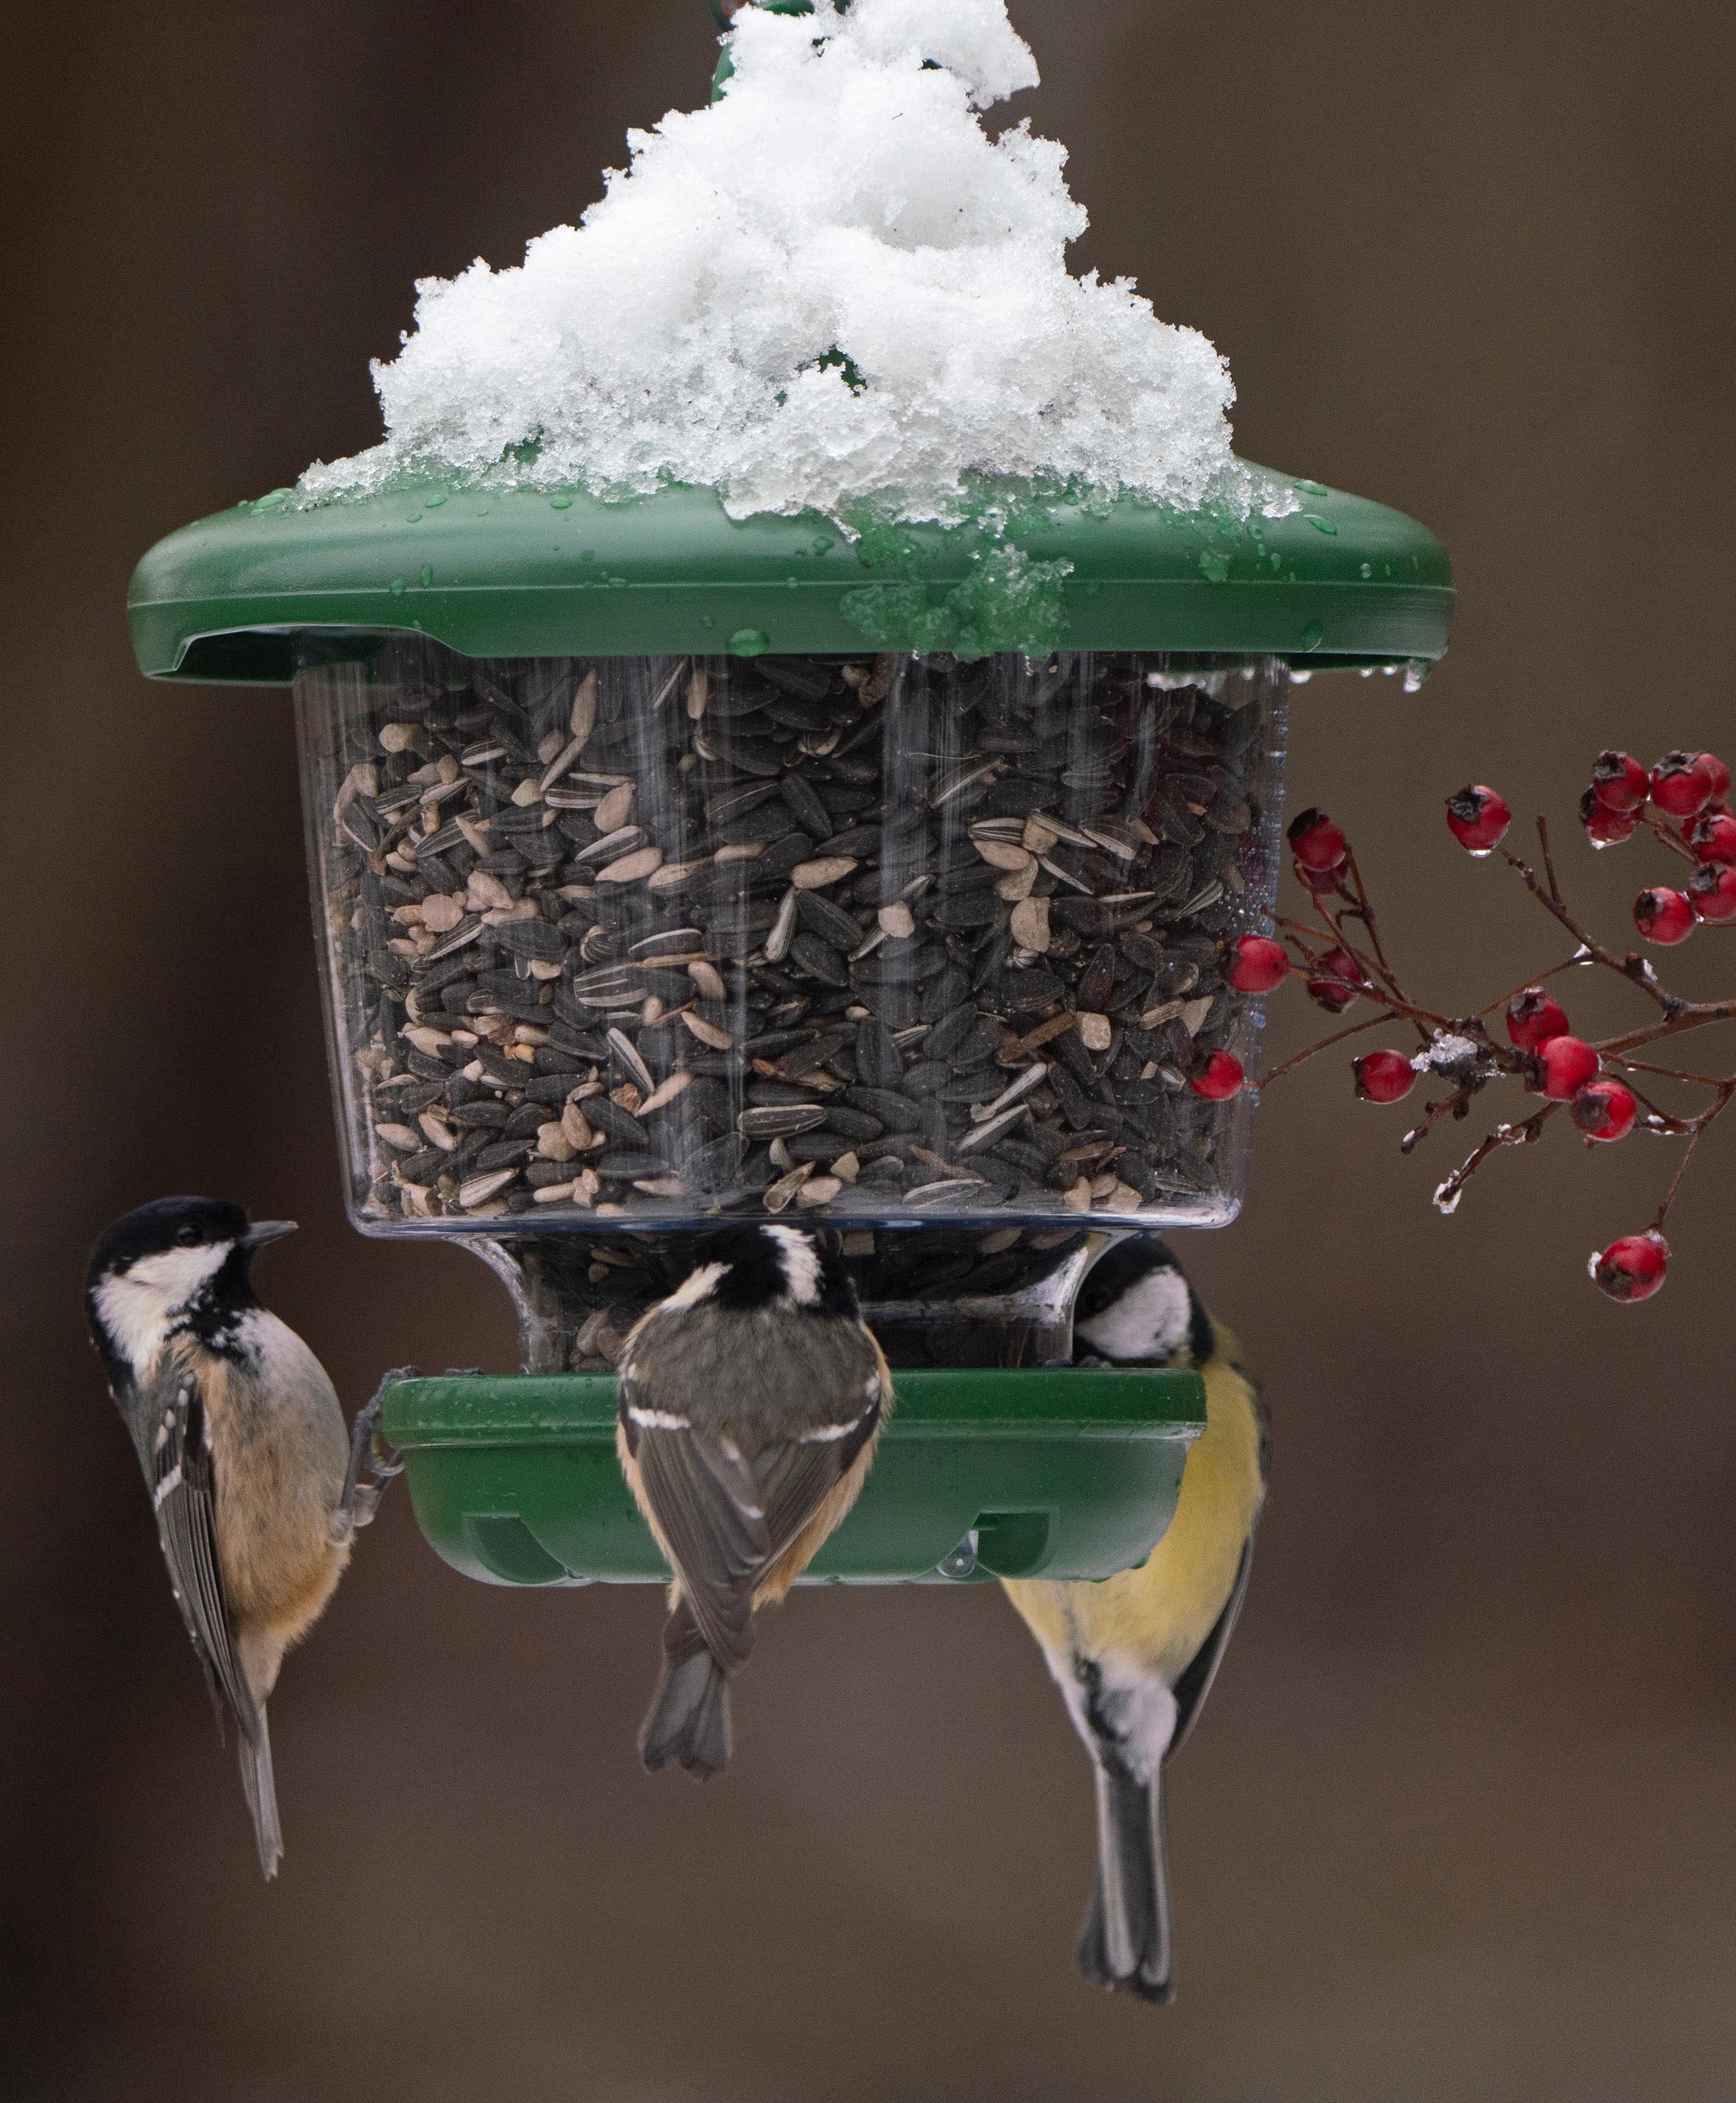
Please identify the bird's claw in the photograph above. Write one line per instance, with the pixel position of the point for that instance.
(360, 1499)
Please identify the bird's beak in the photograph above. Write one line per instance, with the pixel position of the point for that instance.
(266, 1230)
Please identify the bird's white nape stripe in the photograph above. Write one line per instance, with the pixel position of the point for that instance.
(827, 1433)
(801, 1262)
(659, 1420)
(1150, 1320)
(701, 1284)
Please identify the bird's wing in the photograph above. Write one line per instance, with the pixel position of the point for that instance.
(1195, 1684)
(709, 1510)
(797, 1476)
(174, 1448)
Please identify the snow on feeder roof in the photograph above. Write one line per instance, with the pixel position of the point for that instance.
(831, 290)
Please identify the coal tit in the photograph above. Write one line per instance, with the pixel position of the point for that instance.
(751, 1400)
(253, 1478)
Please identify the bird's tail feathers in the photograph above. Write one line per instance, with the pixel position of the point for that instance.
(260, 1788)
(689, 1718)
(1127, 1943)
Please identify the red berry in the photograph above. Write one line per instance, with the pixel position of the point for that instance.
(1605, 1110)
(1320, 880)
(1338, 980)
(1563, 1066)
(1316, 842)
(1604, 827)
(1255, 965)
(1717, 773)
(1479, 818)
(1218, 1076)
(1682, 783)
(1713, 836)
(1331, 995)
(1534, 1017)
(1619, 782)
(1385, 1076)
(1633, 1267)
(1662, 915)
(1711, 892)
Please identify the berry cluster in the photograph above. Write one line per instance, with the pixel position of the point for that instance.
(1689, 787)
(1681, 800)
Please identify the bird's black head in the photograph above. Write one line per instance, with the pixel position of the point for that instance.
(169, 1261)
(761, 1266)
(1137, 1308)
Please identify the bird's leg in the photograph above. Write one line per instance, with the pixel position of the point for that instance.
(360, 1500)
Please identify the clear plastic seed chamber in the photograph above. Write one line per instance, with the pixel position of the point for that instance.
(670, 870)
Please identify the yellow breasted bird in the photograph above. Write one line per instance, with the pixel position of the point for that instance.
(1134, 1655)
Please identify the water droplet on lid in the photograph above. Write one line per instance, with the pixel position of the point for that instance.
(1314, 488)
(433, 502)
(560, 503)
(749, 643)
(1215, 568)
(1368, 569)
(412, 517)
(961, 1562)
(822, 544)
(708, 620)
(1320, 525)
(1312, 635)
(428, 573)
(399, 588)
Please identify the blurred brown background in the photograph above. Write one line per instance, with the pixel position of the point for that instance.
(1458, 1819)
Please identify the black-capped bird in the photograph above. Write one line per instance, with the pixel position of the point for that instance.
(751, 1400)
(251, 1471)
(1134, 1655)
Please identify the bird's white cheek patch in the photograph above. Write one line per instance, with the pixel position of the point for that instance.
(659, 1420)
(138, 1306)
(1150, 1320)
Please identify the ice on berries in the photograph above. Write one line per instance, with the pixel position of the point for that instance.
(831, 289)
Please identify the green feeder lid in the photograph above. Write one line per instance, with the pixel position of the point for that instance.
(1341, 581)
(1064, 1472)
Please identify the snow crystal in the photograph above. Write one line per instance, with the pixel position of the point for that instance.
(1446, 1054)
(832, 289)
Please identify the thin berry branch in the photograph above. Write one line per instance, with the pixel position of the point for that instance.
(1633, 966)
(1693, 1140)
(1297, 1058)
(1447, 1193)
(1543, 841)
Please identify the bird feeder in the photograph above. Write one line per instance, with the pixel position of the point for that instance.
(671, 869)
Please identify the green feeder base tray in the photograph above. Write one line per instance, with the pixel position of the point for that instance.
(1063, 1472)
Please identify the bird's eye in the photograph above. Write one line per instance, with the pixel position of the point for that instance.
(187, 1237)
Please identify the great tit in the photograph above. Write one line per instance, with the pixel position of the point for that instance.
(1134, 1655)
(751, 1399)
(253, 1478)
